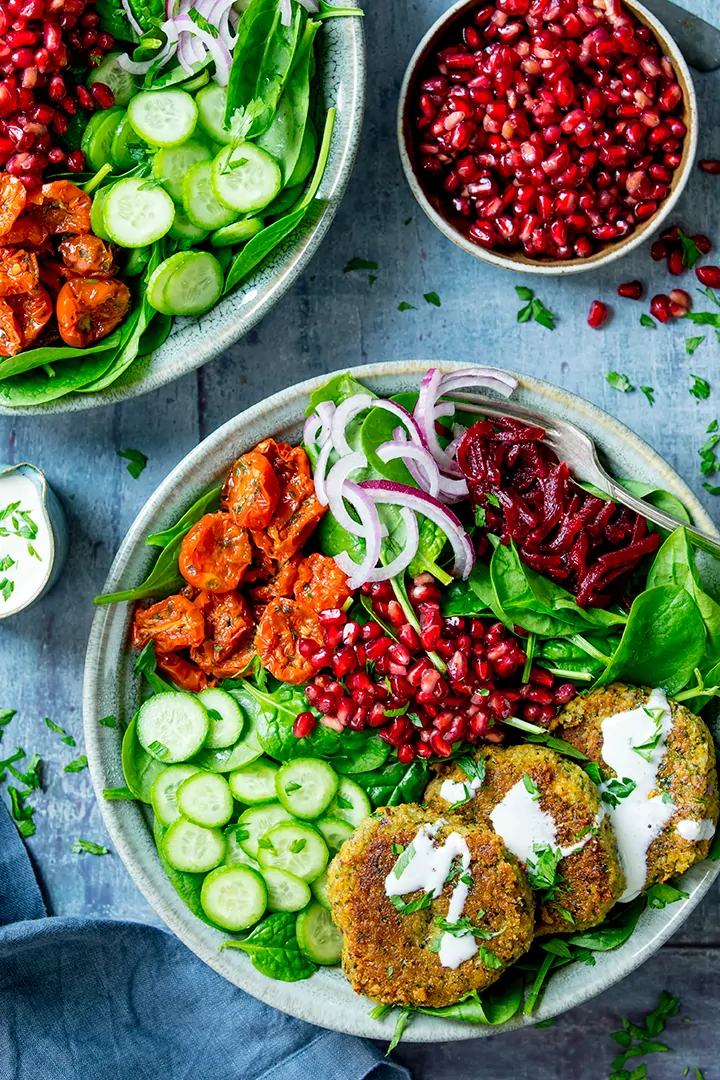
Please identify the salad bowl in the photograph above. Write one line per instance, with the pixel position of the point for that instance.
(111, 687)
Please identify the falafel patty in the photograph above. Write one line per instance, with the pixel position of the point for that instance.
(542, 806)
(666, 822)
(408, 957)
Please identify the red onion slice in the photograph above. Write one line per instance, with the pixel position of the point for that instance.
(320, 470)
(335, 485)
(401, 562)
(346, 411)
(311, 429)
(217, 48)
(310, 5)
(427, 476)
(357, 573)
(486, 378)
(403, 416)
(425, 417)
(285, 12)
(385, 491)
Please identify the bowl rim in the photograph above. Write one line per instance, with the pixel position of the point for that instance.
(350, 100)
(124, 818)
(606, 255)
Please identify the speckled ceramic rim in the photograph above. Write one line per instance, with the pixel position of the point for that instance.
(238, 313)
(43, 488)
(327, 999)
(608, 254)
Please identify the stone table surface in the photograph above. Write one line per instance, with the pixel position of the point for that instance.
(328, 321)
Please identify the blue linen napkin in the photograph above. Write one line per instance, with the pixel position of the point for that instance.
(95, 999)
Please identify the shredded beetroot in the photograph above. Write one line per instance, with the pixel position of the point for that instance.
(588, 545)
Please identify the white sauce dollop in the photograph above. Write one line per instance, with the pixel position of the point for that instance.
(24, 559)
(456, 791)
(428, 869)
(696, 830)
(525, 828)
(638, 819)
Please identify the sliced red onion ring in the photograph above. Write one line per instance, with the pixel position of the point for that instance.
(403, 416)
(427, 475)
(141, 67)
(320, 469)
(386, 491)
(285, 12)
(357, 573)
(217, 48)
(425, 417)
(401, 562)
(311, 429)
(484, 377)
(335, 485)
(346, 411)
(310, 5)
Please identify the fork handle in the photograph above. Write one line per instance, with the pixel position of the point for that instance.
(668, 522)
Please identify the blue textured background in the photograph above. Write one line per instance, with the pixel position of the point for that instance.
(328, 321)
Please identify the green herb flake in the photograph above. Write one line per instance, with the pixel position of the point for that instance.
(480, 516)
(297, 846)
(493, 499)
(542, 315)
(690, 251)
(21, 813)
(343, 803)
(692, 344)
(700, 388)
(407, 907)
(118, 794)
(202, 22)
(619, 382)
(432, 298)
(406, 856)
(77, 765)
(649, 394)
(615, 790)
(289, 788)
(647, 320)
(531, 787)
(523, 293)
(89, 848)
(397, 849)
(108, 721)
(404, 306)
(6, 563)
(136, 461)
(360, 264)
(662, 894)
(542, 872)
(158, 749)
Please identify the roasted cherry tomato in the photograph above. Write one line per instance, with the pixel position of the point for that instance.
(239, 663)
(61, 207)
(280, 585)
(215, 553)
(185, 675)
(88, 309)
(172, 624)
(229, 621)
(10, 336)
(27, 230)
(13, 197)
(281, 627)
(298, 511)
(252, 491)
(32, 310)
(18, 271)
(321, 583)
(87, 255)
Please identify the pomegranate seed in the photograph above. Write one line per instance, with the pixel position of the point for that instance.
(658, 250)
(708, 275)
(598, 314)
(676, 266)
(564, 693)
(375, 649)
(305, 723)
(633, 290)
(680, 303)
(103, 95)
(710, 165)
(660, 308)
(332, 617)
(702, 242)
(439, 746)
(306, 646)
(370, 631)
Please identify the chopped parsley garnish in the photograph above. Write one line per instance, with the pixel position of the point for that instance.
(649, 394)
(474, 770)
(692, 344)
(404, 860)
(533, 309)
(487, 956)
(289, 788)
(690, 251)
(662, 894)
(67, 739)
(108, 721)
(464, 926)
(406, 907)
(700, 388)
(136, 461)
(493, 499)
(22, 814)
(343, 803)
(158, 749)
(77, 765)
(542, 872)
(645, 749)
(202, 22)
(404, 306)
(89, 848)
(617, 790)
(116, 794)
(531, 787)
(480, 516)
(638, 1041)
(647, 320)
(360, 264)
(432, 298)
(619, 382)
(297, 846)
(397, 849)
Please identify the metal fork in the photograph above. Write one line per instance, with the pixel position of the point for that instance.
(576, 448)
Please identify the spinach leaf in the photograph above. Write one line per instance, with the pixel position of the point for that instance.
(114, 20)
(663, 500)
(674, 564)
(614, 931)
(275, 712)
(337, 389)
(259, 28)
(37, 387)
(395, 783)
(431, 543)
(36, 358)
(187, 886)
(360, 753)
(206, 504)
(377, 428)
(156, 334)
(273, 948)
(149, 14)
(287, 49)
(473, 597)
(139, 768)
(663, 642)
(494, 1006)
(281, 125)
(163, 579)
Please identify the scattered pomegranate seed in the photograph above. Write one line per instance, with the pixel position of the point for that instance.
(658, 250)
(710, 165)
(708, 275)
(680, 302)
(632, 290)
(702, 242)
(660, 308)
(598, 314)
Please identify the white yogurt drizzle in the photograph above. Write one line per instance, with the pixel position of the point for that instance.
(696, 830)
(640, 817)
(24, 558)
(525, 828)
(428, 869)
(455, 791)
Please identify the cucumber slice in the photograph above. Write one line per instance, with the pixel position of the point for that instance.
(237, 233)
(136, 214)
(350, 804)
(226, 718)
(163, 117)
(98, 137)
(233, 757)
(155, 288)
(306, 786)
(183, 229)
(126, 144)
(163, 794)
(306, 157)
(172, 726)
(245, 178)
(192, 848)
(200, 202)
(285, 891)
(195, 285)
(116, 78)
(205, 799)
(319, 890)
(234, 854)
(136, 261)
(296, 847)
(234, 897)
(317, 935)
(334, 831)
(96, 210)
(211, 103)
(256, 821)
(255, 783)
(171, 164)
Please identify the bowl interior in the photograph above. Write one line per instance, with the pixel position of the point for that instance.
(111, 687)
(194, 341)
(446, 30)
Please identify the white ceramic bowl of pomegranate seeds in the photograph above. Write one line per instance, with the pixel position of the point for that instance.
(547, 136)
